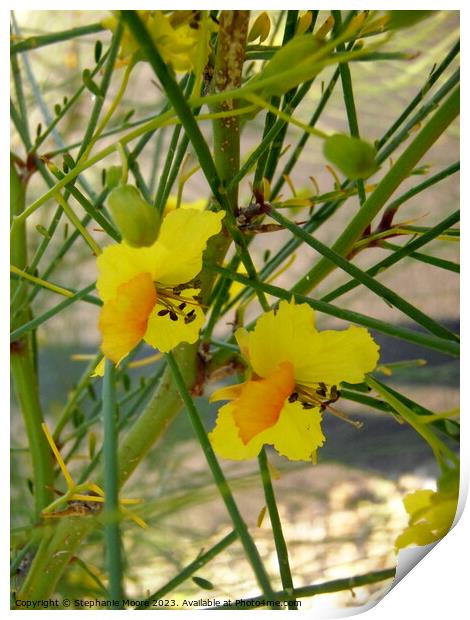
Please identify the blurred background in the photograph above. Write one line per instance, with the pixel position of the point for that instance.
(340, 517)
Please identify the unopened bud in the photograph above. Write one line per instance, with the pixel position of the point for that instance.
(136, 219)
(294, 63)
(354, 157)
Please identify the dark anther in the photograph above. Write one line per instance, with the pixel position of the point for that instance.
(307, 406)
(293, 397)
(321, 392)
(173, 316)
(163, 312)
(189, 318)
(182, 306)
(334, 393)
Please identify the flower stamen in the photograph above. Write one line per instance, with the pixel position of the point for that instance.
(322, 396)
(175, 304)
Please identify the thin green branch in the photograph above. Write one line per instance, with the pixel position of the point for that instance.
(435, 261)
(22, 362)
(348, 95)
(429, 341)
(337, 585)
(279, 540)
(432, 79)
(361, 276)
(439, 448)
(398, 254)
(37, 41)
(429, 134)
(190, 569)
(239, 524)
(24, 328)
(111, 514)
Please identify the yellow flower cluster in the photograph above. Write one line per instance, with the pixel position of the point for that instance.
(294, 371)
(431, 513)
(180, 37)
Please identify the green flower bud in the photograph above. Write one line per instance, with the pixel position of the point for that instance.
(406, 19)
(136, 219)
(354, 157)
(294, 63)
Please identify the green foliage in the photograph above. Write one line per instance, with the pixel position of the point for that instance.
(406, 19)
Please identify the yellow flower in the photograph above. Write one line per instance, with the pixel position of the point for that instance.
(431, 513)
(295, 373)
(176, 36)
(172, 202)
(148, 293)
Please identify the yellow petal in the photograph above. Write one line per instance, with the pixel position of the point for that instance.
(329, 357)
(283, 336)
(172, 202)
(260, 403)
(174, 258)
(177, 253)
(417, 501)
(230, 392)
(164, 334)
(420, 534)
(123, 320)
(342, 356)
(296, 435)
(119, 263)
(243, 339)
(226, 441)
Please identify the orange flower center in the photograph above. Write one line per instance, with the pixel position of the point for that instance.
(261, 401)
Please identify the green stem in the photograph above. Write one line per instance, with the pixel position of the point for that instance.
(425, 258)
(429, 341)
(95, 248)
(400, 252)
(281, 547)
(337, 585)
(55, 37)
(348, 96)
(179, 103)
(361, 276)
(435, 75)
(400, 171)
(112, 108)
(28, 325)
(222, 485)
(438, 447)
(265, 166)
(112, 534)
(23, 369)
(189, 570)
(157, 416)
(53, 556)
(230, 55)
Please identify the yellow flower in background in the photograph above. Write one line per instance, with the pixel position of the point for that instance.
(295, 373)
(148, 292)
(176, 35)
(431, 513)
